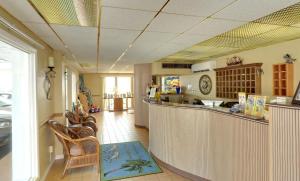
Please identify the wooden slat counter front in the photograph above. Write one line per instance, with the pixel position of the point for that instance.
(285, 141)
(209, 143)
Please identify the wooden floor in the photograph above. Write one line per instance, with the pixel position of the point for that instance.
(113, 127)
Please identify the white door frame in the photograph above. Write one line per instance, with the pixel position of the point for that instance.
(29, 141)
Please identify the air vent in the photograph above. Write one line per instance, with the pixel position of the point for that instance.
(176, 66)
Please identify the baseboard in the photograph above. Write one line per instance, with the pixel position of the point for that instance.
(178, 171)
(43, 178)
(58, 157)
(139, 126)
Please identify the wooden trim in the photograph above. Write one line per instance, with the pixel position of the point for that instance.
(178, 171)
(53, 116)
(143, 127)
(240, 66)
(44, 176)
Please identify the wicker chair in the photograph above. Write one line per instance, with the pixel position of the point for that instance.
(81, 149)
(76, 119)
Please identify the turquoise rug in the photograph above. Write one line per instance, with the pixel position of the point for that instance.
(124, 160)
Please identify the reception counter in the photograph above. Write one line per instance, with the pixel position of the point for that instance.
(209, 143)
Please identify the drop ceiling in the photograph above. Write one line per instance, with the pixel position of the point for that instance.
(276, 27)
(112, 35)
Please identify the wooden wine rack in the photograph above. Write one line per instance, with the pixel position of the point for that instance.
(283, 77)
(233, 79)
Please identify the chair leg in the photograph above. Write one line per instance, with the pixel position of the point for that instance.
(97, 167)
(66, 167)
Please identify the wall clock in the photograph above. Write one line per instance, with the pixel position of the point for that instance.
(205, 84)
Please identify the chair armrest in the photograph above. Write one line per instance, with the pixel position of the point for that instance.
(91, 124)
(82, 132)
(90, 118)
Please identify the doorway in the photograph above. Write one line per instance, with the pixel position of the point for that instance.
(18, 119)
(118, 87)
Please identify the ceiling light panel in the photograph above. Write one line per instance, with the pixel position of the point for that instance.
(196, 7)
(147, 5)
(285, 17)
(125, 18)
(68, 12)
(172, 23)
(249, 30)
(282, 34)
(221, 41)
(249, 10)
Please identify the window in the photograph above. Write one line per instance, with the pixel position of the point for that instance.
(124, 85)
(110, 85)
(117, 87)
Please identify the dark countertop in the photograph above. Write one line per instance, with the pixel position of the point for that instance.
(215, 109)
(284, 105)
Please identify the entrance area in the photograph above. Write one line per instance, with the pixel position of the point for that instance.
(118, 93)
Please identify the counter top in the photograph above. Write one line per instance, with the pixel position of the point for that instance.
(284, 105)
(216, 109)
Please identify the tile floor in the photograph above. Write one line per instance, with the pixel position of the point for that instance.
(113, 127)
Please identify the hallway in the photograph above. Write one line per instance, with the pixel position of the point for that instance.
(113, 127)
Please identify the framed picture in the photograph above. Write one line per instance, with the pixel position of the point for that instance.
(296, 99)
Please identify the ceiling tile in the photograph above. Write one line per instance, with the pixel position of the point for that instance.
(40, 29)
(125, 18)
(149, 41)
(160, 37)
(114, 42)
(196, 7)
(249, 10)
(149, 5)
(22, 10)
(82, 41)
(55, 43)
(187, 40)
(173, 23)
(214, 27)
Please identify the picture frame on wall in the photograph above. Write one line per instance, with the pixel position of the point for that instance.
(296, 99)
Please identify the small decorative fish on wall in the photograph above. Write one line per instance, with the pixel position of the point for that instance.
(288, 58)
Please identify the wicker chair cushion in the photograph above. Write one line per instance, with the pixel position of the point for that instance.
(88, 146)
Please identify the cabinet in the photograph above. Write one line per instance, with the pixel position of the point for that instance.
(233, 79)
(283, 79)
(118, 104)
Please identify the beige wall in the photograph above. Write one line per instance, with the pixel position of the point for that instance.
(267, 55)
(142, 77)
(46, 108)
(158, 70)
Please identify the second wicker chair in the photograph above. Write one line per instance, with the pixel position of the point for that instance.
(76, 119)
